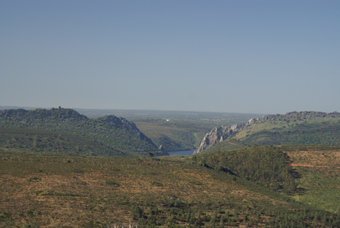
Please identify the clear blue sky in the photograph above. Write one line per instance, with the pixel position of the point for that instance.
(220, 56)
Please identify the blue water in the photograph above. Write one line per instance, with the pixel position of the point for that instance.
(184, 152)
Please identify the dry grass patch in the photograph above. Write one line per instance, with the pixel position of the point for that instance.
(50, 191)
(314, 158)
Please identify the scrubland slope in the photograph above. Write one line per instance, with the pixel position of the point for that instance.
(41, 190)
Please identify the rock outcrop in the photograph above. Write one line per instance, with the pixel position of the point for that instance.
(218, 134)
(291, 116)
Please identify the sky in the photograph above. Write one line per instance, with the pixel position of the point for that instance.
(191, 55)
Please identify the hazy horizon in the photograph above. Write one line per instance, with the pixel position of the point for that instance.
(3, 107)
(221, 56)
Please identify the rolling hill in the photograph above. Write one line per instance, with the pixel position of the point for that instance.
(112, 131)
(309, 174)
(45, 183)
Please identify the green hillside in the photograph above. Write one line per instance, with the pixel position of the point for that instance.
(283, 131)
(228, 144)
(35, 140)
(310, 131)
(109, 130)
(317, 169)
(309, 174)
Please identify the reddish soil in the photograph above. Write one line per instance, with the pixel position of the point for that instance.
(308, 165)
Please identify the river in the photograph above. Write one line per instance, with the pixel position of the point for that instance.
(183, 152)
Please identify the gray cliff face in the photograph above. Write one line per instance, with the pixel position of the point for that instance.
(218, 134)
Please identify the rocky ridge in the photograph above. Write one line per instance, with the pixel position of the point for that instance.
(218, 134)
(291, 116)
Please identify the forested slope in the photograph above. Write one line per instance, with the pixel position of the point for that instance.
(110, 130)
(265, 165)
(43, 141)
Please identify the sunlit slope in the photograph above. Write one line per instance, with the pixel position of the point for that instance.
(228, 144)
(73, 191)
(315, 170)
(310, 131)
(318, 175)
(323, 131)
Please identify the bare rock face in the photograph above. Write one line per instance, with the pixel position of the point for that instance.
(252, 121)
(218, 134)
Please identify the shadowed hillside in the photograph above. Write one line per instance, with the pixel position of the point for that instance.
(112, 131)
(43, 141)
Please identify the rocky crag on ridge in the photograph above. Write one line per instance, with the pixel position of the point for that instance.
(218, 134)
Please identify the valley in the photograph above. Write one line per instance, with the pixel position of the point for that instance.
(59, 168)
(169, 114)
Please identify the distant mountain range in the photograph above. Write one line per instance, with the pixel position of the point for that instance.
(291, 128)
(116, 132)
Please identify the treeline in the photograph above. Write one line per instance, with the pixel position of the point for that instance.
(297, 116)
(266, 165)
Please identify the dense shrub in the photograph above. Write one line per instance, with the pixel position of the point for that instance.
(266, 165)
